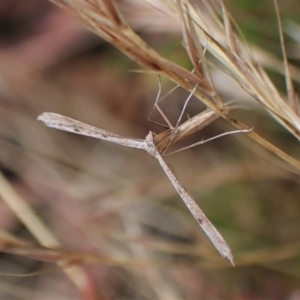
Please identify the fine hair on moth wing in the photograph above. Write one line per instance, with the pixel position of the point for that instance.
(63, 123)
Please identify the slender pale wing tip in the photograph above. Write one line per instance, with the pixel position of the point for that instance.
(50, 119)
(45, 117)
(225, 252)
(230, 259)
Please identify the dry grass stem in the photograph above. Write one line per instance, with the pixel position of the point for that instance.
(288, 78)
(117, 220)
(169, 137)
(105, 19)
(37, 228)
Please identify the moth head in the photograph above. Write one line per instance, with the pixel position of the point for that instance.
(151, 149)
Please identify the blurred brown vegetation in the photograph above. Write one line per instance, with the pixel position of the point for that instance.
(112, 206)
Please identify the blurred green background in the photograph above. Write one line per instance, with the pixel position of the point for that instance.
(115, 202)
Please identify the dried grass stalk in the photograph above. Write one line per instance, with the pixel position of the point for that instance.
(105, 19)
